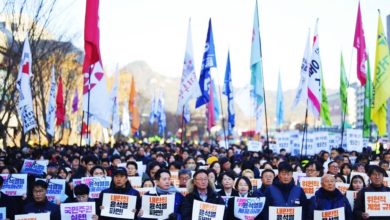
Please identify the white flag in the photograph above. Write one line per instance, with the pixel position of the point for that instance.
(125, 126)
(51, 108)
(99, 102)
(25, 105)
(115, 104)
(301, 94)
(314, 77)
(189, 86)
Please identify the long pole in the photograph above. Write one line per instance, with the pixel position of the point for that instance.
(81, 130)
(305, 130)
(89, 99)
(182, 128)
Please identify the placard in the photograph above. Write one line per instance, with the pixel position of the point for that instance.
(310, 185)
(77, 211)
(351, 196)
(96, 185)
(354, 140)
(254, 146)
(377, 203)
(33, 216)
(343, 187)
(143, 191)
(290, 213)
(141, 168)
(209, 211)
(14, 184)
(309, 145)
(135, 181)
(55, 190)
(332, 214)
(158, 207)
(321, 142)
(3, 213)
(118, 205)
(248, 207)
(35, 167)
(283, 141)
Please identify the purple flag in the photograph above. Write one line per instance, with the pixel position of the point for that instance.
(75, 103)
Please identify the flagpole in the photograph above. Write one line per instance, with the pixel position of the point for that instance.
(305, 129)
(223, 118)
(89, 99)
(81, 130)
(182, 128)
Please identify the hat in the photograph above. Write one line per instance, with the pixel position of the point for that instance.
(285, 166)
(119, 171)
(212, 159)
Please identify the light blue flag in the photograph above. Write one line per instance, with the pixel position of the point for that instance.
(161, 115)
(228, 91)
(208, 62)
(279, 104)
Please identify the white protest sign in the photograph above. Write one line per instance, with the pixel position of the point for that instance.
(277, 213)
(310, 185)
(334, 140)
(354, 140)
(295, 143)
(209, 211)
(34, 216)
(141, 168)
(249, 207)
(158, 207)
(343, 187)
(55, 189)
(351, 196)
(14, 184)
(283, 141)
(77, 210)
(331, 214)
(135, 181)
(254, 146)
(377, 203)
(309, 145)
(321, 142)
(96, 185)
(118, 205)
(3, 213)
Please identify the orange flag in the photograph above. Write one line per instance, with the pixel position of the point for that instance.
(133, 109)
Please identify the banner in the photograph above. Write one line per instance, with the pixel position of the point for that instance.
(14, 184)
(248, 208)
(351, 196)
(332, 214)
(354, 140)
(55, 190)
(283, 141)
(321, 142)
(3, 213)
(209, 211)
(158, 207)
(35, 167)
(77, 211)
(254, 146)
(377, 203)
(118, 205)
(34, 216)
(310, 185)
(96, 185)
(290, 213)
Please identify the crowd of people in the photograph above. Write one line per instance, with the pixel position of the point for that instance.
(210, 173)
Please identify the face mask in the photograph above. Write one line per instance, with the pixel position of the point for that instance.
(191, 166)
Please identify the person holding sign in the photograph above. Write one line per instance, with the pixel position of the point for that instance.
(119, 185)
(81, 192)
(163, 187)
(376, 174)
(284, 193)
(201, 189)
(328, 197)
(40, 204)
(8, 202)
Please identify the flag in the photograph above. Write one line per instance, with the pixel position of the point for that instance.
(381, 80)
(217, 109)
(125, 125)
(115, 128)
(302, 88)
(367, 103)
(325, 115)
(189, 88)
(343, 87)
(210, 109)
(209, 61)
(314, 85)
(279, 104)
(161, 115)
(25, 105)
(51, 108)
(360, 44)
(75, 102)
(60, 111)
(228, 91)
(257, 81)
(133, 109)
(153, 110)
(96, 100)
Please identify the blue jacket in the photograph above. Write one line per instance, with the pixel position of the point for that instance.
(324, 200)
(35, 207)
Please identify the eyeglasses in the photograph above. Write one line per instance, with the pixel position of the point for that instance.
(202, 180)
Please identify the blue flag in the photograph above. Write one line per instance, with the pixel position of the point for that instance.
(208, 61)
(228, 91)
(161, 115)
(279, 104)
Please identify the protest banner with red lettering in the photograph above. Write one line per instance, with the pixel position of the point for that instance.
(310, 185)
(77, 211)
(135, 181)
(248, 207)
(34, 216)
(290, 213)
(343, 187)
(209, 211)
(332, 214)
(158, 207)
(96, 185)
(118, 205)
(14, 184)
(377, 203)
(351, 196)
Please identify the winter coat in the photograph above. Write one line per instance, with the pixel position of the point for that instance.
(43, 207)
(359, 205)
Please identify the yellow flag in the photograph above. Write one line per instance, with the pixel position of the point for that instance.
(381, 80)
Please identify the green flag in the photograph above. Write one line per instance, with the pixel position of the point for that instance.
(343, 88)
(324, 104)
(367, 102)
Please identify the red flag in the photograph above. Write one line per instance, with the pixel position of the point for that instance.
(360, 44)
(84, 128)
(210, 109)
(91, 35)
(60, 111)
